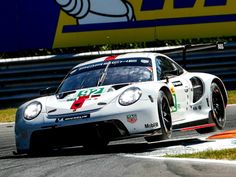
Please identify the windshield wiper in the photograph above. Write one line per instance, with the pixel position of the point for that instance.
(64, 94)
(103, 75)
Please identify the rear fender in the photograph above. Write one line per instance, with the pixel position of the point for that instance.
(222, 88)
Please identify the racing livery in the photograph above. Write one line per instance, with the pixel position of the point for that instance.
(116, 97)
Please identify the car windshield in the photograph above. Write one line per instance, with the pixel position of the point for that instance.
(108, 73)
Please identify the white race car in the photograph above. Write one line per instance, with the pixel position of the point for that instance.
(116, 97)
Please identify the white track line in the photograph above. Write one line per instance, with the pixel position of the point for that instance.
(183, 159)
(231, 105)
(7, 123)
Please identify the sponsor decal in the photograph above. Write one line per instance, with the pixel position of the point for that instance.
(175, 107)
(116, 21)
(172, 89)
(151, 125)
(104, 64)
(177, 83)
(94, 22)
(77, 117)
(88, 92)
(132, 118)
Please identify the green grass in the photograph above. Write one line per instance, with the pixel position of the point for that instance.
(226, 154)
(232, 97)
(8, 115)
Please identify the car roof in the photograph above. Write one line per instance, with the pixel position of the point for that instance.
(117, 57)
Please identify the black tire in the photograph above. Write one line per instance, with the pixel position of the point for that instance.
(164, 115)
(218, 107)
(217, 113)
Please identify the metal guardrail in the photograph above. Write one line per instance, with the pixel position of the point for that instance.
(22, 79)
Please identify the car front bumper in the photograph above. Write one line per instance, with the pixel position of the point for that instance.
(113, 121)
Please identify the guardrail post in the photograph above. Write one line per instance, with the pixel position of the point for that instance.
(184, 55)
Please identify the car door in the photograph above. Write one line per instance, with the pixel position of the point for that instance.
(171, 73)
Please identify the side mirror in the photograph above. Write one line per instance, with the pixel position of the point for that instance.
(48, 91)
(167, 74)
(171, 73)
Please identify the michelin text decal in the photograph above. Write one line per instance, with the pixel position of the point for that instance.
(89, 22)
(73, 23)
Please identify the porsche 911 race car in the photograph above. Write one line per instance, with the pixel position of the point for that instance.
(116, 97)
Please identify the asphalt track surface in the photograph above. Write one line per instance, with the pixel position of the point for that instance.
(117, 160)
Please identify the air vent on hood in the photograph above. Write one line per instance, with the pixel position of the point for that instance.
(119, 86)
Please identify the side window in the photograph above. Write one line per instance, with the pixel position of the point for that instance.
(164, 65)
(177, 68)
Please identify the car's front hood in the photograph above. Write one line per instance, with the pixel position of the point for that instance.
(88, 99)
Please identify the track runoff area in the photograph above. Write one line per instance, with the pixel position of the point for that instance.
(182, 142)
(132, 157)
(187, 141)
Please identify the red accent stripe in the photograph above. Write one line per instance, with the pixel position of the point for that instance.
(197, 127)
(79, 103)
(109, 58)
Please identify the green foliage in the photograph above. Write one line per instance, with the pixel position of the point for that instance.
(226, 154)
(71, 50)
(232, 97)
(7, 115)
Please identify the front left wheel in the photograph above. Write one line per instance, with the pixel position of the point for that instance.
(218, 107)
(164, 115)
(217, 113)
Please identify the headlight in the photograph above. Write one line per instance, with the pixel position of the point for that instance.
(32, 110)
(130, 96)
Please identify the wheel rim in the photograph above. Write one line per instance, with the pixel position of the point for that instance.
(218, 107)
(166, 116)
